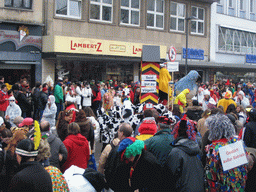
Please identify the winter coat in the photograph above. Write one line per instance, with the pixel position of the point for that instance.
(13, 111)
(43, 100)
(250, 134)
(57, 147)
(147, 129)
(105, 153)
(50, 112)
(164, 78)
(3, 102)
(87, 96)
(181, 99)
(23, 102)
(36, 97)
(147, 174)
(185, 167)
(225, 103)
(159, 145)
(32, 177)
(194, 113)
(78, 151)
(58, 93)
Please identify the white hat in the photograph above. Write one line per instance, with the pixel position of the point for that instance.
(1, 121)
(11, 98)
(206, 92)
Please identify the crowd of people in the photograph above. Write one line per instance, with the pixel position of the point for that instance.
(48, 136)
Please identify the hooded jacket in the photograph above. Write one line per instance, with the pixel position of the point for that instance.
(185, 167)
(13, 110)
(78, 151)
(181, 99)
(250, 130)
(164, 78)
(50, 112)
(58, 93)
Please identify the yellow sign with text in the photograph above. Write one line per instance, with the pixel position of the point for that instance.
(63, 44)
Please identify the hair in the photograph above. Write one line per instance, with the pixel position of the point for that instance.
(80, 116)
(6, 133)
(217, 110)
(219, 126)
(15, 87)
(155, 114)
(241, 108)
(44, 151)
(61, 118)
(73, 128)
(126, 129)
(18, 136)
(182, 131)
(89, 112)
(148, 113)
(44, 126)
(221, 107)
(206, 113)
(231, 108)
(38, 84)
(44, 85)
(3, 86)
(17, 120)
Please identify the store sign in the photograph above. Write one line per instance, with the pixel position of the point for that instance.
(148, 90)
(232, 155)
(194, 54)
(14, 36)
(148, 83)
(64, 44)
(250, 58)
(148, 77)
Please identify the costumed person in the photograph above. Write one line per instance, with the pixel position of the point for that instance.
(12, 111)
(107, 101)
(226, 101)
(50, 111)
(64, 119)
(185, 168)
(188, 82)
(208, 102)
(181, 99)
(164, 79)
(87, 95)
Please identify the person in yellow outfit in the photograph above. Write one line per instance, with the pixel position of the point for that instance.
(164, 79)
(226, 101)
(181, 99)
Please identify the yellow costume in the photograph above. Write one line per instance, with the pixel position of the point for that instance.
(181, 99)
(225, 103)
(164, 78)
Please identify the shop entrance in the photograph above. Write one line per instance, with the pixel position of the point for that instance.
(13, 76)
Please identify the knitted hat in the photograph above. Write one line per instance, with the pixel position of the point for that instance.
(148, 126)
(26, 148)
(96, 179)
(130, 147)
(228, 95)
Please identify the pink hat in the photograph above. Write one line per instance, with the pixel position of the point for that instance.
(27, 121)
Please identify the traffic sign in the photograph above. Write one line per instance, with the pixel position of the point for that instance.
(172, 54)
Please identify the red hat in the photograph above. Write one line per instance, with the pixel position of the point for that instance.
(44, 89)
(129, 86)
(27, 121)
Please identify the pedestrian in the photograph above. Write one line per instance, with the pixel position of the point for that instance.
(43, 100)
(49, 113)
(12, 111)
(32, 177)
(58, 150)
(194, 112)
(87, 95)
(23, 102)
(201, 123)
(226, 101)
(58, 94)
(64, 119)
(3, 100)
(77, 147)
(181, 99)
(185, 169)
(36, 100)
(241, 114)
(208, 101)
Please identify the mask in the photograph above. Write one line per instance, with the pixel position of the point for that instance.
(48, 102)
(11, 104)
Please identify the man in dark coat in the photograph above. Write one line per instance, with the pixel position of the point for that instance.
(23, 102)
(35, 99)
(43, 99)
(133, 168)
(32, 177)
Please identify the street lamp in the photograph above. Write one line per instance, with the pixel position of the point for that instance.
(186, 58)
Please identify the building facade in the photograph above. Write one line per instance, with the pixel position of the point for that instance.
(233, 39)
(103, 39)
(21, 23)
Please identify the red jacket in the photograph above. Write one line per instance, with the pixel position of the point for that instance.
(97, 95)
(78, 151)
(3, 102)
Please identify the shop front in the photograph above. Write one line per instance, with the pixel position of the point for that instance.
(20, 52)
(86, 59)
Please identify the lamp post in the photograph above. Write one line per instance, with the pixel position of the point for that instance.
(186, 58)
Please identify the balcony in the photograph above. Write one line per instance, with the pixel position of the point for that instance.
(220, 9)
(231, 11)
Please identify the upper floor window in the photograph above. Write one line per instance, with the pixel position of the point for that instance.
(130, 12)
(23, 4)
(155, 14)
(220, 6)
(178, 14)
(70, 8)
(197, 26)
(101, 10)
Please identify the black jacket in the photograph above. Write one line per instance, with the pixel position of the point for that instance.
(43, 99)
(23, 102)
(185, 167)
(250, 134)
(36, 96)
(194, 113)
(32, 177)
(147, 174)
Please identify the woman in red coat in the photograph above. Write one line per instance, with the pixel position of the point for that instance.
(77, 147)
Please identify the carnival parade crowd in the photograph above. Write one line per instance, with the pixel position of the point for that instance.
(48, 136)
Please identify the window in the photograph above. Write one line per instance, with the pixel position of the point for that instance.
(69, 8)
(23, 4)
(241, 4)
(178, 14)
(197, 26)
(220, 6)
(242, 9)
(155, 14)
(101, 10)
(252, 10)
(230, 3)
(130, 12)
